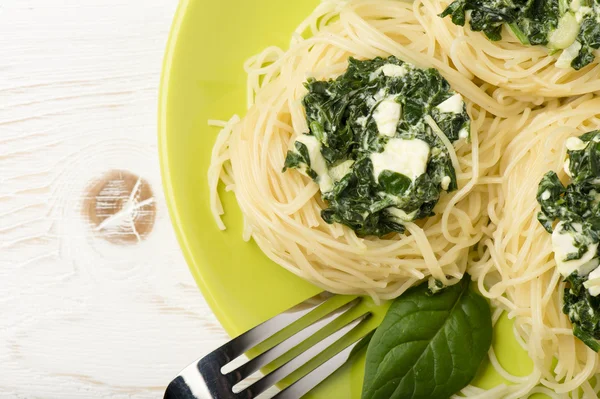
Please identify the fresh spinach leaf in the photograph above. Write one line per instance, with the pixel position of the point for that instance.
(428, 346)
(342, 118)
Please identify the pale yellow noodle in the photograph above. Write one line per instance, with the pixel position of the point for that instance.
(282, 207)
(516, 268)
(488, 225)
(516, 69)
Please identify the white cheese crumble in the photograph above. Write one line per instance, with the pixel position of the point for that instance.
(583, 12)
(565, 33)
(546, 195)
(568, 55)
(380, 95)
(390, 70)
(580, 11)
(596, 196)
(567, 167)
(338, 172)
(446, 180)
(325, 177)
(407, 157)
(575, 144)
(401, 215)
(317, 162)
(463, 133)
(387, 115)
(593, 282)
(362, 121)
(563, 244)
(453, 105)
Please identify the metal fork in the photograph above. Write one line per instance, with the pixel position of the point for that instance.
(206, 377)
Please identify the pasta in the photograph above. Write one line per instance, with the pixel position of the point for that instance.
(517, 70)
(282, 211)
(515, 265)
(487, 227)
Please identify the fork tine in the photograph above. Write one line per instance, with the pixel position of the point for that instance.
(319, 374)
(206, 372)
(274, 377)
(267, 357)
(241, 344)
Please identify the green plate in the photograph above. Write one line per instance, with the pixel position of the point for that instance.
(203, 79)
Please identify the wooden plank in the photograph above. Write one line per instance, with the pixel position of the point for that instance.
(83, 315)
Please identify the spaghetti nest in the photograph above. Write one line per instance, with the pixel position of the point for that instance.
(519, 71)
(515, 265)
(518, 130)
(282, 211)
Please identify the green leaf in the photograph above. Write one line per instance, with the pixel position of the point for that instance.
(586, 338)
(494, 34)
(519, 34)
(303, 151)
(317, 130)
(551, 206)
(393, 182)
(595, 159)
(428, 346)
(297, 159)
(457, 10)
(589, 37)
(583, 311)
(292, 160)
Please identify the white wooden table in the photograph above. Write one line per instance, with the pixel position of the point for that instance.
(91, 305)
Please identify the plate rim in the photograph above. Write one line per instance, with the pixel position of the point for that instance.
(165, 161)
(164, 165)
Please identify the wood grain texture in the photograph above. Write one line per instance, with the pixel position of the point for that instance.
(83, 316)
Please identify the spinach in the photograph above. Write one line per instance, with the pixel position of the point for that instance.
(577, 207)
(428, 345)
(298, 159)
(589, 37)
(486, 15)
(583, 310)
(578, 201)
(533, 22)
(341, 115)
(393, 182)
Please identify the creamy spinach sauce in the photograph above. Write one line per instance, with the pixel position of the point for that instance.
(373, 147)
(572, 214)
(569, 25)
